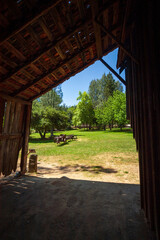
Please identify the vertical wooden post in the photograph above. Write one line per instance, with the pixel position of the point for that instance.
(27, 119)
(2, 107)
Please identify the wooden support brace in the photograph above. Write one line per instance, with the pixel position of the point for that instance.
(116, 41)
(25, 139)
(113, 71)
(14, 99)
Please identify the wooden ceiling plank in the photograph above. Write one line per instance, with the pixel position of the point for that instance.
(27, 21)
(62, 71)
(7, 61)
(39, 55)
(22, 42)
(18, 79)
(45, 28)
(60, 52)
(36, 69)
(34, 36)
(69, 45)
(15, 51)
(49, 72)
(54, 75)
(27, 74)
(53, 60)
(81, 8)
(58, 21)
(72, 73)
(3, 70)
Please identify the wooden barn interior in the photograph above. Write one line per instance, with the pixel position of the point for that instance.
(44, 43)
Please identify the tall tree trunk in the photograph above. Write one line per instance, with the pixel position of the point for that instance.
(40, 134)
(51, 132)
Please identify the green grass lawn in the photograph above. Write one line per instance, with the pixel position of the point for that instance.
(93, 152)
(88, 143)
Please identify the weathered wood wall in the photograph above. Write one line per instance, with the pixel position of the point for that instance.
(143, 98)
(14, 133)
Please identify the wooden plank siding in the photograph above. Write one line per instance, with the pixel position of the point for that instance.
(143, 105)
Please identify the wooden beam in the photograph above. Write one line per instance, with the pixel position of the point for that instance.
(113, 71)
(10, 136)
(80, 4)
(13, 99)
(30, 20)
(97, 30)
(25, 139)
(119, 44)
(71, 74)
(45, 28)
(34, 36)
(59, 51)
(28, 85)
(7, 61)
(39, 55)
(14, 51)
(126, 14)
(58, 21)
(2, 106)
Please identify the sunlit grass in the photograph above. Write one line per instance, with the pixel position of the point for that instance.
(88, 143)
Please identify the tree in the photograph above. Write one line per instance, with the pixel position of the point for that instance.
(101, 89)
(109, 112)
(119, 106)
(70, 114)
(57, 119)
(105, 114)
(52, 98)
(84, 111)
(94, 92)
(38, 119)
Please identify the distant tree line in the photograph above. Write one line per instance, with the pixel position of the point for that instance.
(103, 106)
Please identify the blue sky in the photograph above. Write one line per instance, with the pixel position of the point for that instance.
(81, 81)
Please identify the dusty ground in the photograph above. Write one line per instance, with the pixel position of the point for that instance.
(63, 203)
(106, 167)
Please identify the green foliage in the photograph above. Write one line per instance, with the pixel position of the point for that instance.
(52, 98)
(101, 89)
(119, 105)
(84, 112)
(38, 119)
(112, 111)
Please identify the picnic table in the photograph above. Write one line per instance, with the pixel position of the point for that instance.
(64, 138)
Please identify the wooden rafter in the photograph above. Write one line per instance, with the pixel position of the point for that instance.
(27, 21)
(28, 85)
(15, 51)
(97, 29)
(71, 74)
(45, 28)
(35, 37)
(14, 99)
(39, 55)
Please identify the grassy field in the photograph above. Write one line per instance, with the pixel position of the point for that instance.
(93, 153)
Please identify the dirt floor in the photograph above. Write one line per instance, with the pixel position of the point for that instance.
(66, 204)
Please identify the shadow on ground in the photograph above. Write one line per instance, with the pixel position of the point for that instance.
(67, 209)
(75, 168)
